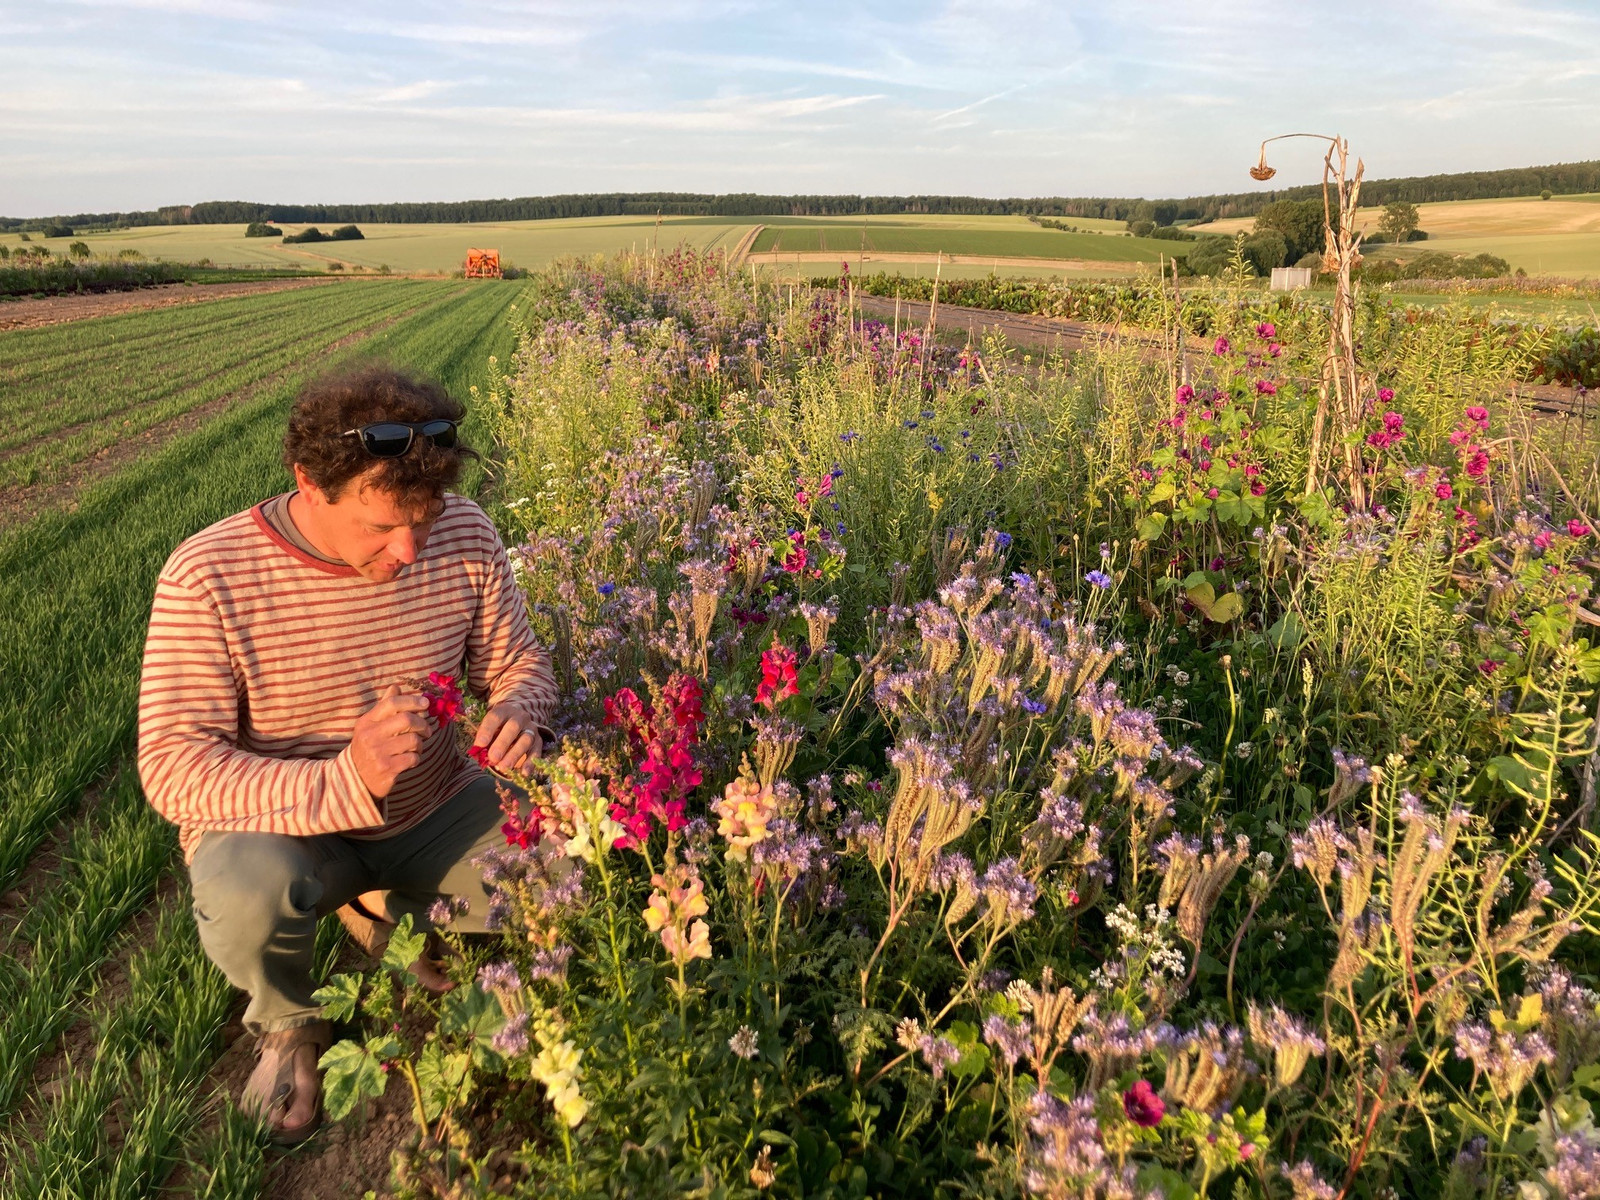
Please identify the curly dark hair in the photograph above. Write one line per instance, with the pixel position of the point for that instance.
(350, 399)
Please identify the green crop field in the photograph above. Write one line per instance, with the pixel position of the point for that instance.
(97, 901)
(430, 248)
(1005, 237)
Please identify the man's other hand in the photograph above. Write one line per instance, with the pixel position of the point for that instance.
(388, 738)
(508, 737)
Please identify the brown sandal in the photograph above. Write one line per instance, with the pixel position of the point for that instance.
(371, 932)
(269, 1093)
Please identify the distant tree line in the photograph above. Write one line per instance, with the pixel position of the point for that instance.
(1469, 185)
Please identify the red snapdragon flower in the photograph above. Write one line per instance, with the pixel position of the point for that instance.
(778, 678)
(662, 742)
(444, 697)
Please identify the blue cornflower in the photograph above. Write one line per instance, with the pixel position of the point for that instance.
(934, 445)
(848, 436)
(841, 528)
(1003, 540)
(1021, 578)
(1033, 706)
(1099, 578)
(997, 461)
(973, 457)
(909, 424)
(605, 589)
(837, 471)
(965, 434)
(927, 414)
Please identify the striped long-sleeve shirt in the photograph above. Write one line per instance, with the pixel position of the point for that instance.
(260, 658)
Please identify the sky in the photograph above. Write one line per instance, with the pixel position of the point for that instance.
(134, 104)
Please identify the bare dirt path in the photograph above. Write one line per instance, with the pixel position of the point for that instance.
(52, 310)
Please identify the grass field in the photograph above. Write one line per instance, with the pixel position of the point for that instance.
(437, 249)
(1559, 236)
(75, 589)
(1013, 237)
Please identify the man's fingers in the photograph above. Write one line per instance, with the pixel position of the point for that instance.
(487, 728)
(504, 740)
(405, 761)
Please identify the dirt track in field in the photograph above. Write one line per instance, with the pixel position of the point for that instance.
(1057, 333)
(53, 310)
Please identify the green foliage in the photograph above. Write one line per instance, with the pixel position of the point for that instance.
(1399, 220)
(1298, 222)
(262, 229)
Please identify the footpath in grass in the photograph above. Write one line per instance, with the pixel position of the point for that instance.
(75, 591)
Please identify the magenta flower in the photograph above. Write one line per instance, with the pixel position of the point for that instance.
(1266, 387)
(1443, 490)
(1577, 529)
(1142, 1105)
(1221, 347)
(1267, 330)
(1385, 395)
(1478, 415)
(1477, 463)
(1490, 665)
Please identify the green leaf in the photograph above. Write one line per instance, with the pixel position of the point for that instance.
(1227, 608)
(1162, 492)
(1287, 632)
(470, 1012)
(776, 1138)
(1152, 525)
(404, 947)
(351, 1074)
(339, 997)
(445, 1079)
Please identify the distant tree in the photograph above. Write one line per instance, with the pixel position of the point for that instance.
(1546, 194)
(311, 234)
(346, 233)
(1299, 222)
(1141, 228)
(24, 237)
(79, 249)
(1266, 250)
(262, 229)
(1164, 212)
(5, 252)
(1400, 218)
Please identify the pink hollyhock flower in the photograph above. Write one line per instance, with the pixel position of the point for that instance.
(1275, 350)
(1266, 387)
(1142, 1105)
(1257, 488)
(1477, 462)
(1267, 330)
(1211, 493)
(1460, 437)
(1184, 394)
(1205, 464)
(1490, 665)
(1544, 539)
(1478, 415)
(1385, 395)
(1251, 471)
(1443, 490)
(1394, 423)
(1220, 347)
(1577, 529)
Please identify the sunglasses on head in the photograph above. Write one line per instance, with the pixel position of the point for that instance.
(391, 439)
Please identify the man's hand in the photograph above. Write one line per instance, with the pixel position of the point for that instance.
(388, 738)
(509, 739)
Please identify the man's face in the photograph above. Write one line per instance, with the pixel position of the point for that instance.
(367, 528)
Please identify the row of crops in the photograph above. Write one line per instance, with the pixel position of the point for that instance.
(98, 954)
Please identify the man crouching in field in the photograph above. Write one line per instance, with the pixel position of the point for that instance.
(279, 726)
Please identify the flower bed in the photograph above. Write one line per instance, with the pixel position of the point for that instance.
(983, 781)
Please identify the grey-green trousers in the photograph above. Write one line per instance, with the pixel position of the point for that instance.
(257, 896)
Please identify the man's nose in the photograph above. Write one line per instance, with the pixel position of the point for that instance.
(404, 545)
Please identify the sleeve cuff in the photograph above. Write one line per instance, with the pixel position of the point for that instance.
(363, 809)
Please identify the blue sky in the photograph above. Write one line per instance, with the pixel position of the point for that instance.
(139, 103)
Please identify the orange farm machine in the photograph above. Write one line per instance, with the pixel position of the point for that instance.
(483, 264)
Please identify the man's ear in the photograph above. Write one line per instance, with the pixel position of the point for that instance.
(308, 489)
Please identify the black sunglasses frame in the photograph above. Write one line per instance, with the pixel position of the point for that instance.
(378, 445)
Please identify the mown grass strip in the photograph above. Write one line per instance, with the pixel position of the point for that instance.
(75, 587)
(109, 871)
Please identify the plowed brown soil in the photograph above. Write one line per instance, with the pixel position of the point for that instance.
(52, 310)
